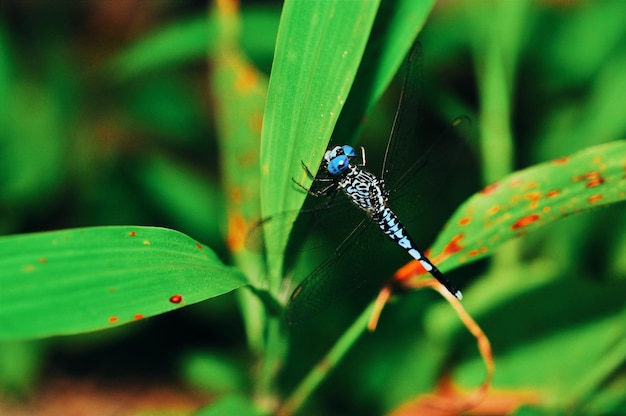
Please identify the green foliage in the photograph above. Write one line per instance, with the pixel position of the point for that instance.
(112, 275)
(104, 122)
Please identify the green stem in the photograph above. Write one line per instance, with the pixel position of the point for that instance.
(326, 364)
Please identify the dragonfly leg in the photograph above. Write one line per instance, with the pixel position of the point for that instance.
(308, 171)
(362, 164)
(329, 190)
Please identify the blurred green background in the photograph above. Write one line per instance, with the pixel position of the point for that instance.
(108, 116)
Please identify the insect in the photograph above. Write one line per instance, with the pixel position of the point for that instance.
(341, 171)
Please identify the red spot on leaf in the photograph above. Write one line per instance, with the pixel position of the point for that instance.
(594, 198)
(553, 193)
(490, 188)
(525, 221)
(176, 299)
(199, 246)
(132, 234)
(138, 317)
(113, 319)
(593, 179)
(453, 246)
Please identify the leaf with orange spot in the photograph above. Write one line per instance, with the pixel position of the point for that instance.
(94, 278)
(532, 198)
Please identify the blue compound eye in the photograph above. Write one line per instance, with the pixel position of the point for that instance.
(348, 150)
(338, 165)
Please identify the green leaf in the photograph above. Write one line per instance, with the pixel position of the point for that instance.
(396, 27)
(178, 43)
(318, 51)
(70, 281)
(532, 198)
(568, 380)
(215, 372)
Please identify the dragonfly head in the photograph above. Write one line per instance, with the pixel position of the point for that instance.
(337, 159)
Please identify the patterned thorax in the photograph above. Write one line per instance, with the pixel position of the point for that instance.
(365, 190)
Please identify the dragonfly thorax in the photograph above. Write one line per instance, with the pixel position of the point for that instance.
(364, 189)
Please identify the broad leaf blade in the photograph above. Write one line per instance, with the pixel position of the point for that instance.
(79, 280)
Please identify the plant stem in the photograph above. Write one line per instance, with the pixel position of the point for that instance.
(326, 364)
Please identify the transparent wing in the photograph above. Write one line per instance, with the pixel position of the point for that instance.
(436, 183)
(339, 277)
(405, 121)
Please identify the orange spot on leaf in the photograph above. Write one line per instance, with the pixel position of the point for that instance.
(531, 185)
(553, 193)
(493, 210)
(561, 160)
(247, 79)
(256, 122)
(199, 246)
(525, 221)
(533, 197)
(594, 198)
(593, 179)
(465, 221)
(138, 317)
(490, 188)
(476, 252)
(235, 195)
(132, 234)
(113, 319)
(43, 260)
(146, 243)
(237, 231)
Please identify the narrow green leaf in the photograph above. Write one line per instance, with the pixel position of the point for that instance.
(79, 280)
(318, 51)
(180, 42)
(396, 27)
(240, 89)
(532, 198)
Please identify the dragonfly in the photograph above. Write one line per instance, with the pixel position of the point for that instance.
(344, 171)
